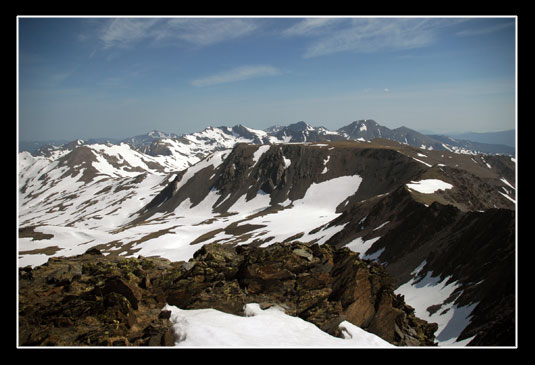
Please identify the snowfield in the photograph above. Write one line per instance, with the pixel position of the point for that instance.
(451, 320)
(429, 186)
(315, 209)
(261, 328)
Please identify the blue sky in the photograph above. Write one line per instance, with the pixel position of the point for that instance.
(119, 77)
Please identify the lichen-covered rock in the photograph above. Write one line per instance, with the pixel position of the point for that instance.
(320, 284)
(91, 300)
(111, 301)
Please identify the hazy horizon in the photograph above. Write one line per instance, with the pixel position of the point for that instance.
(104, 77)
(423, 131)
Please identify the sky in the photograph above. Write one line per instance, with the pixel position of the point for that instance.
(117, 77)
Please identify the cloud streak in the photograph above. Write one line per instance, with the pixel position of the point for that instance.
(312, 26)
(485, 30)
(127, 32)
(124, 32)
(204, 32)
(237, 74)
(366, 35)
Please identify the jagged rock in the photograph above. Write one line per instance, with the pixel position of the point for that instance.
(317, 283)
(91, 300)
(115, 301)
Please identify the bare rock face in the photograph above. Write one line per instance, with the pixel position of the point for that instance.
(108, 301)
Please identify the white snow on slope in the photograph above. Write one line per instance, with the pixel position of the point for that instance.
(315, 209)
(269, 328)
(507, 183)
(70, 242)
(325, 162)
(213, 160)
(421, 294)
(507, 197)
(361, 246)
(259, 152)
(429, 186)
(425, 163)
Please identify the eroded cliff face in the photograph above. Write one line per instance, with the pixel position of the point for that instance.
(93, 299)
(286, 171)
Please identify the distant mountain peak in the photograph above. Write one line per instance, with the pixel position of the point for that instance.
(298, 132)
(300, 126)
(157, 134)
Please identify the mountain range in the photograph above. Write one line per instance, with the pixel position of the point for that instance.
(366, 129)
(439, 217)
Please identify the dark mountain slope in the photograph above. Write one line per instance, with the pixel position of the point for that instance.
(285, 172)
(474, 249)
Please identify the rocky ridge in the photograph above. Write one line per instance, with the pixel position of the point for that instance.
(96, 300)
(286, 171)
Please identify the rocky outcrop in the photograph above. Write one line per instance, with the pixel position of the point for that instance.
(93, 299)
(317, 283)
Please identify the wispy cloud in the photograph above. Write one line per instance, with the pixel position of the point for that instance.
(123, 32)
(203, 32)
(126, 32)
(312, 26)
(237, 74)
(484, 30)
(366, 35)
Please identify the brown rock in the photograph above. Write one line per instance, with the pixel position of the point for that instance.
(128, 290)
(113, 301)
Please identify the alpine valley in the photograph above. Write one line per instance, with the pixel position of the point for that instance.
(294, 236)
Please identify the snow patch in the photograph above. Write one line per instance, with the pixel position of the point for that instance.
(507, 183)
(259, 152)
(429, 186)
(425, 163)
(381, 226)
(361, 246)
(265, 328)
(374, 256)
(287, 162)
(432, 291)
(508, 197)
(325, 162)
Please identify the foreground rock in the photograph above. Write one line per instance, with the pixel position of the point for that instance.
(102, 300)
(92, 300)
